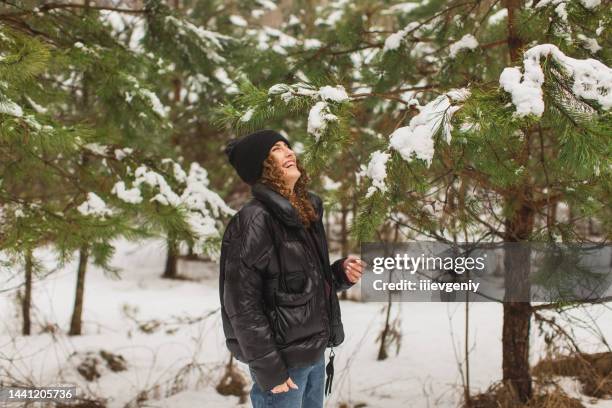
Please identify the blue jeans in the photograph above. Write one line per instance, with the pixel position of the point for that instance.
(310, 381)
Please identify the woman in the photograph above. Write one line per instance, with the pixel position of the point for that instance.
(277, 288)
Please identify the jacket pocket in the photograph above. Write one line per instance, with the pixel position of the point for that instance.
(296, 282)
(295, 315)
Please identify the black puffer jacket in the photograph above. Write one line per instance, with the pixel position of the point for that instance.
(279, 309)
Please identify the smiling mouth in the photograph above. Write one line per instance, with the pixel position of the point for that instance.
(289, 164)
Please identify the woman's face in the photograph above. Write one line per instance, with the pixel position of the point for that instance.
(285, 159)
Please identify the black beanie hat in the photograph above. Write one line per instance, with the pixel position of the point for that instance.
(247, 153)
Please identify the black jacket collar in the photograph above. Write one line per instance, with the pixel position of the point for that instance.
(281, 207)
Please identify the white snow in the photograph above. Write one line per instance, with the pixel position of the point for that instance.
(498, 16)
(333, 93)
(267, 4)
(377, 171)
(312, 44)
(403, 8)
(331, 19)
(79, 45)
(32, 122)
(247, 115)
(590, 44)
(202, 226)
(209, 37)
(298, 147)
(394, 40)
(129, 28)
(211, 41)
(149, 96)
(416, 139)
(423, 374)
(96, 148)
(121, 154)
(238, 20)
(279, 89)
(330, 185)
(222, 76)
(592, 80)
(458, 94)
(526, 91)
(155, 103)
(467, 42)
(198, 197)
(177, 171)
(283, 40)
(318, 118)
(165, 196)
(590, 4)
(94, 206)
(320, 113)
(38, 108)
(257, 13)
(9, 107)
(561, 11)
(545, 3)
(293, 20)
(203, 206)
(131, 195)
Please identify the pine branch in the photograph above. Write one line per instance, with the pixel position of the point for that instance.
(45, 8)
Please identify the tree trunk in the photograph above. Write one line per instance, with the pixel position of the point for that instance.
(344, 231)
(517, 314)
(77, 312)
(171, 270)
(517, 308)
(466, 388)
(26, 303)
(515, 339)
(382, 350)
(344, 249)
(514, 41)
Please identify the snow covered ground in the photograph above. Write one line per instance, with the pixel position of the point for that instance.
(424, 373)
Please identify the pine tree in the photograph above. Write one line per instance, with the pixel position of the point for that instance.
(85, 145)
(199, 54)
(479, 118)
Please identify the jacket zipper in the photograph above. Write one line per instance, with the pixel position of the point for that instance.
(312, 253)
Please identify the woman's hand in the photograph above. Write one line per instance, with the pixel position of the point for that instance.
(353, 268)
(284, 387)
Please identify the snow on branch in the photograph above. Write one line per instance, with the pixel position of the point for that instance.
(592, 80)
(416, 141)
(394, 41)
(8, 107)
(147, 96)
(94, 206)
(318, 119)
(467, 42)
(320, 114)
(208, 41)
(272, 38)
(203, 206)
(377, 171)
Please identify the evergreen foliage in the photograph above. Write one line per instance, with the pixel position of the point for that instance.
(85, 138)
